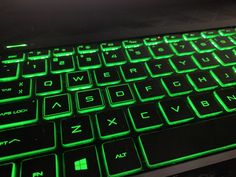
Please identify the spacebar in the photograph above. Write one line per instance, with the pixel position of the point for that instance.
(189, 141)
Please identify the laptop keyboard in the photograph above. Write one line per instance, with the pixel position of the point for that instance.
(117, 108)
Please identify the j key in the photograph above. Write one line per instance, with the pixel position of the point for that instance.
(8, 170)
(13, 58)
(226, 58)
(34, 68)
(205, 61)
(78, 80)
(183, 64)
(39, 54)
(227, 32)
(110, 46)
(153, 40)
(121, 157)
(89, 100)
(18, 114)
(176, 111)
(224, 76)
(15, 90)
(132, 43)
(89, 61)
(203, 45)
(114, 57)
(58, 52)
(145, 117)
(149, 90)
(222, 43)
(227, 98)
(62, 64)
(106, 76)
(48, 85)
(204, 105)
(9, 72)
(176, 85)
(192, 36)
(192, 141)
(173, 38)
(210, 34)
(138, 54)
(182, 48)
(82, 162)
(202, 80)
(26, 141)
(161, 51)
(112, 124)
(89, 48)
(133, 72)
(76, 131)
(159, 68)
(57, 106)
(120, 95)
(46, 166)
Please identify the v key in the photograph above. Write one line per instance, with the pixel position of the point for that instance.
(176, 109)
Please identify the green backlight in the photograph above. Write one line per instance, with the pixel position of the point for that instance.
(16, 46)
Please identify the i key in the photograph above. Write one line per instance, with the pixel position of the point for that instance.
(8, 170)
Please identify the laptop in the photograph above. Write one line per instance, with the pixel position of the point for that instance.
(117, 88)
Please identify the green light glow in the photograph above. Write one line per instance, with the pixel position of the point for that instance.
(180, 71)
(16, 46)
(220, 82)
(222, 103)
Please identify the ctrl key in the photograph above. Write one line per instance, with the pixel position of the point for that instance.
(8, 170)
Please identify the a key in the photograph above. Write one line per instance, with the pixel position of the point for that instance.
(78, 80)
(227, 32)
(159, 68)
(114, 57)
(18, 113)
(120, 95)
(39, 54)
(227, 98)
(106, 76)
(149, 90)
(65, 51)
(210, 34)
(46, 166)
(34, 68)
(225, 76)
(176, 111)
(138, 54)
(57, 106)
(145, 117)
(182, 48)
(27, 141)
(62, 64)
(183, 64)
(89, 101)
(15, 90)
(176, 85)
(9, 72)
(153, 40)
(112, 124)
(48, 85)
(160, 51)
(81, 162)
(13, 58)
(222, 43)
(121, 157)
(107, 46)
(133, 72)
(226, 58)
(203, 45)
(89, 61)
(88, 48)
(9, 170)
(205, 61)
(132, 43)
(173, 38)
(192, 36)
(76, 131)
(204, 105)
(202, 81)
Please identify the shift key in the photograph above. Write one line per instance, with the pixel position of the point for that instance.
(27, 141)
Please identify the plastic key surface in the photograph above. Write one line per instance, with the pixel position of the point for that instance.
(8, 170)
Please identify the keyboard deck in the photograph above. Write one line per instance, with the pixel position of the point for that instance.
(117, 108)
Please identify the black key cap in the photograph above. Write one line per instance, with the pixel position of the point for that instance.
(78, 80)
(205, 61)
(34, 68)
(227, 32)
(120, 95)
(57, 106)
(121, 157)
(133, 72)
(89, 61)
(224, 76)
(222, 43)
(210, 34)
(182, 48)
(233, 39)
(13, 58)
(106, 76)
(39, 54)
(26, 141)
(183, 64)
(176, 111)
(161, 51)
(48, 85)
(202, 80)
(114, 57)
(195, 140)
(138, 54)
(204, 105)
(62, 64)
(107, 46)
(159, 68)
(88, 48)
(15, 90)
(65, 51)
(227, 98)
(132, 43)
(76, 131)
(176, 85)
(192, 36)
(18, 113)
(9, 72)
(226, 58)
(46, 166)
(153, 40)
(173, 38)
(203, 45)
(89, 100)
(149, 90)
(145, 117)
(112, 124)
(9, 170)
(81, 162)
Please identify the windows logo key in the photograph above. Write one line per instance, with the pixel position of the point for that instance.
(81, 164)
